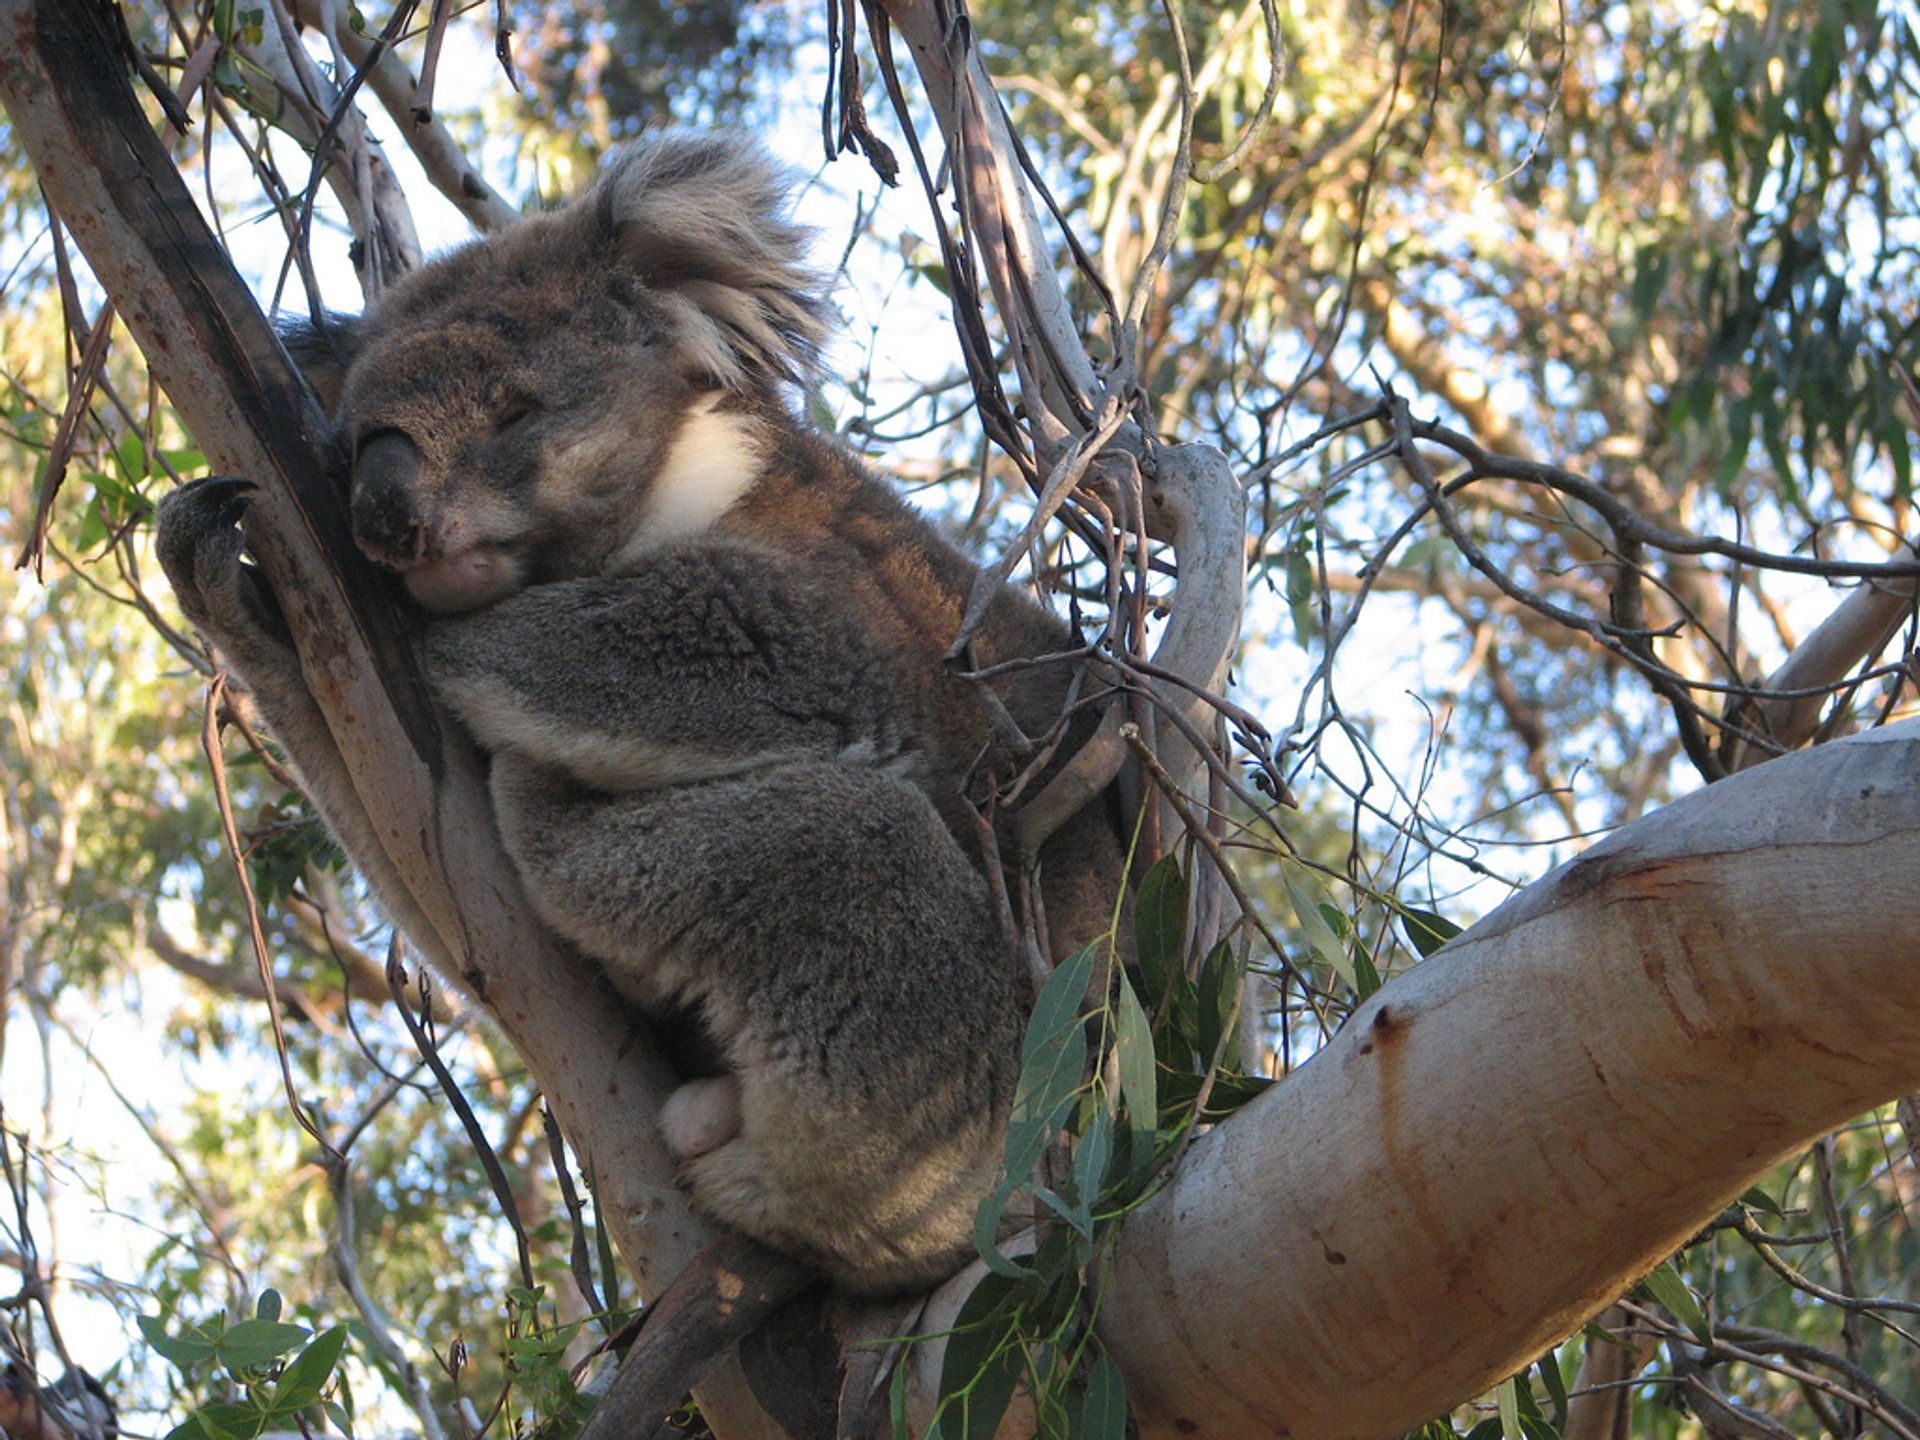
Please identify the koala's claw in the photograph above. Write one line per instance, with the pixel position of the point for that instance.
(199, 542)
(230, 492)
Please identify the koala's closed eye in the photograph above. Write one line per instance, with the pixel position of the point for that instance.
(513, 411)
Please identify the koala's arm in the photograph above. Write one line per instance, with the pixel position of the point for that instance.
(713, 659)
(199, 543)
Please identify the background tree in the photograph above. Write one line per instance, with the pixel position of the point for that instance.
(1652, 273)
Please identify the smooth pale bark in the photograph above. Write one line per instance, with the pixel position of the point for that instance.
(1512, 1133)
(1859, 628)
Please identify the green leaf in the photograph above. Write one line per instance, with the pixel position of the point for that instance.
(1427, 930)
(268, 1305)
(1506, 1395)
(1900, 454)
(1103, 1410)
(1230, 1091)
(1160, 930)
(186, 1350)
(303, 1380)
(1057, 1011)
(1366, 975)
(609, 1265)
(897, 1399)
(1556, 1383)
(1666, 1286)
(1090, 1159)
(1051, 1071)
(1135, 1061)
(981, 1365)
(1302, 890)
(1758, 1199)
(980, 1325)
(253, 1343)
(1219, 992)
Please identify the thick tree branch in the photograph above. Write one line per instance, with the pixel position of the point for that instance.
(1790, 700)
(1508, 1136)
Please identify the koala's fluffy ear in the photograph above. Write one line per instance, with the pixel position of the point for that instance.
(701, 220)
(324, 352)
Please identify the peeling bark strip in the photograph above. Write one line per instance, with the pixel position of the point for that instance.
(1512, 1134)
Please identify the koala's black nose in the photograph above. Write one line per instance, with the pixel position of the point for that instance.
(387, 521)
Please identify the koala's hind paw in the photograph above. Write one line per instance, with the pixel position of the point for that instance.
(198, 538)
(701, 1115)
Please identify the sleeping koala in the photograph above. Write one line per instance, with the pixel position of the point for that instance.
(703, 649)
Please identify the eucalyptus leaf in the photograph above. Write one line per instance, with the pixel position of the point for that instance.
(1103, 1410)
(184, 1349)
(307, 1375)
(1506, 1397)
(253, 1343)
(1428, 930)
(1666, 1286)
(1135, 1060)
(1160, 930)
(1090, 1159)
(1219, 997)
(981, 1363)
(1549, 1367)
(1302, 891)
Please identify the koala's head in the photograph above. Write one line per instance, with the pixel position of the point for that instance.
(549, 401)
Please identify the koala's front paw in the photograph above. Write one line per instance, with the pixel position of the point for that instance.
(198, 539)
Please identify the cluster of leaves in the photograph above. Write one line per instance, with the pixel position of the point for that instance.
(615, 67)
(1107, 1096)
(236, 1380)
(247, 1375)
(1662, 247)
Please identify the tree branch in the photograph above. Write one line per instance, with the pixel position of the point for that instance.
(1539, 1113)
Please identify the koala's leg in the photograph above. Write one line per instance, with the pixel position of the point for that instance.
(715, 658)
(843, 952)
(198, 539)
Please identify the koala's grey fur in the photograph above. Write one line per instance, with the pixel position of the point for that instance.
(703, 648)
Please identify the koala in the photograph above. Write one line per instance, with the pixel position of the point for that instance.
(703, 648)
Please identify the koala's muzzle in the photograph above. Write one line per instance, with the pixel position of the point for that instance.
(387, 522)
